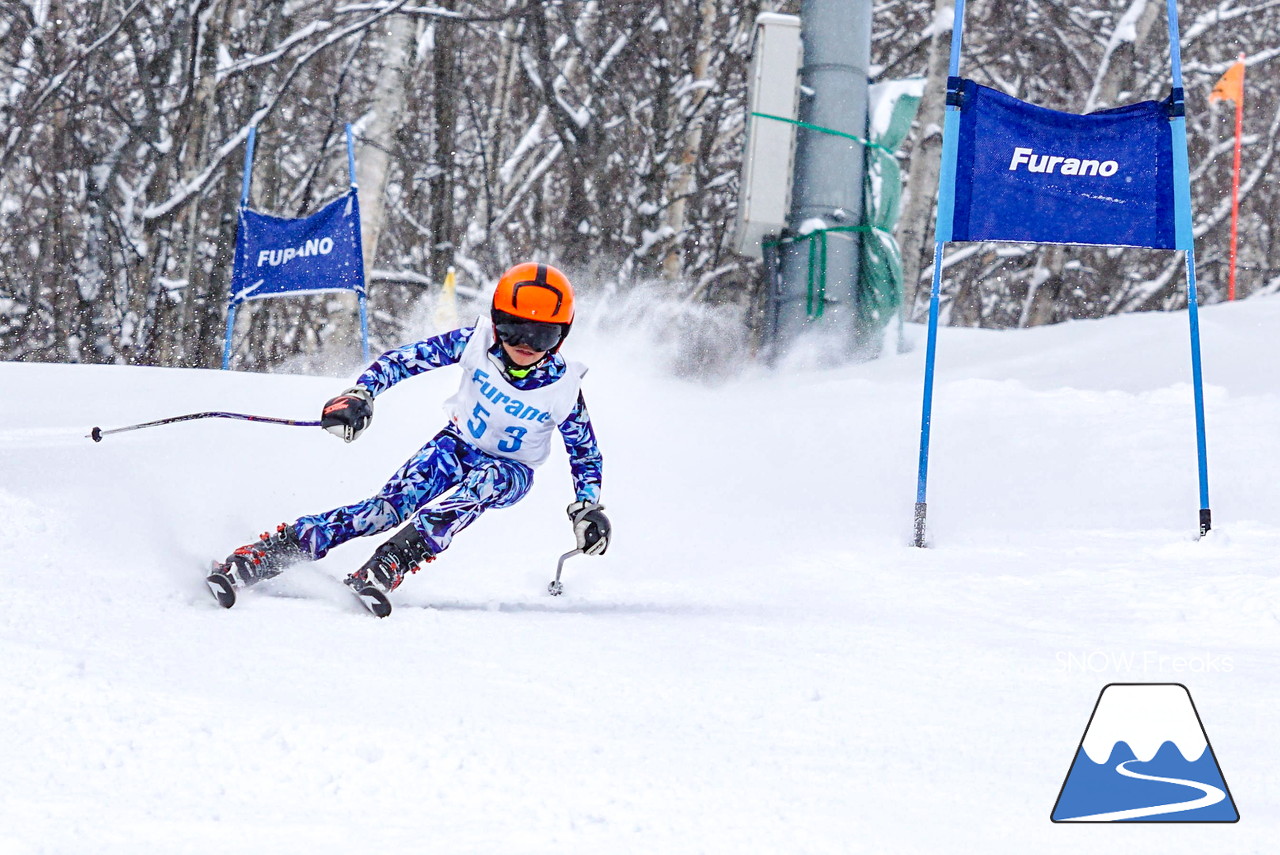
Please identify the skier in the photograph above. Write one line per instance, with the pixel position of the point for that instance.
(516, 388)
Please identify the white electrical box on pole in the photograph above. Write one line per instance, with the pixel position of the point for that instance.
(773, 89)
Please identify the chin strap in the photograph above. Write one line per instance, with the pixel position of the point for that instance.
(519, 372)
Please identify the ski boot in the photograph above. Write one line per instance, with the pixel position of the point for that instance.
(269, 556)
(385, 570)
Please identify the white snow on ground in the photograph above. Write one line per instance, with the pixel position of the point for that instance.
(759, 664)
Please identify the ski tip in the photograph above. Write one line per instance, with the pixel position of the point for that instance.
(220, 586)
(374, 600)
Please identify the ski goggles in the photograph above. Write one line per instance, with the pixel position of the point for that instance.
(532, 334)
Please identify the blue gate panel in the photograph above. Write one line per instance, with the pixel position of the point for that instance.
(276, 255)
(1027, 173)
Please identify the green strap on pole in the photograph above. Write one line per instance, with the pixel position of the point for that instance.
(821, 299)
(822, 130)
(816, 298)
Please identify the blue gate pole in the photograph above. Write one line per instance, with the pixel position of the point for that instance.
(1175, 45)
(926, 416)
(957, 36)
(364, 330)
(364, 316)
(351, 156)
(1185, 240)
(943, 229)
(248, 166)
(1197, 382)
(226, 346)
(244, 203)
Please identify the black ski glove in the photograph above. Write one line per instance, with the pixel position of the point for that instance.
(591, 526)
(348, 414)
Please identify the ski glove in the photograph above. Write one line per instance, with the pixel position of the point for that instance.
(348, 414)
(591, 527)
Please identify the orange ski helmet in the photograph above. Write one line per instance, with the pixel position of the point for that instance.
(534, 293)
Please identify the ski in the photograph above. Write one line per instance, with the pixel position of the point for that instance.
(221, 586)
(373, 600)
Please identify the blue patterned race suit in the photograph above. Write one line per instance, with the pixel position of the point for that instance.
(483, 480)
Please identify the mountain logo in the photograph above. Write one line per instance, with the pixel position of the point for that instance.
(1145, 757)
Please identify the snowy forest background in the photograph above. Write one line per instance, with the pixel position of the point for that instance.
(602, 136)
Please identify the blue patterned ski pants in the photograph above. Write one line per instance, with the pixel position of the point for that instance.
(482, 480)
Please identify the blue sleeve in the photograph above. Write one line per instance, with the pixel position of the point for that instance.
(585, 461)
(395, 365)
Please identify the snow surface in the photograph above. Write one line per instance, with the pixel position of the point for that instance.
(759, 664)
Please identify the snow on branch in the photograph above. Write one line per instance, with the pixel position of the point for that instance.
(198, 182)
(432, 12)
(271, 56)
(55, 83)
(1125, 32)
(536, 173)
(532, 137)
(1214, 69)
(1210, 22)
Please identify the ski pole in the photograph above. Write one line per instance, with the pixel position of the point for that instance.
(555, 589)
(98, 433)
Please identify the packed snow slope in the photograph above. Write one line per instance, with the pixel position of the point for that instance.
(759, 664)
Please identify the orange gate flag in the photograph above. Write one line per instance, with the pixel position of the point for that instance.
(1230, 86)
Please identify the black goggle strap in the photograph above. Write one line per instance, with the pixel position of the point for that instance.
(539, 336)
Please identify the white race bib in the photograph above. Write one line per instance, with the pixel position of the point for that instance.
(500, 419)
